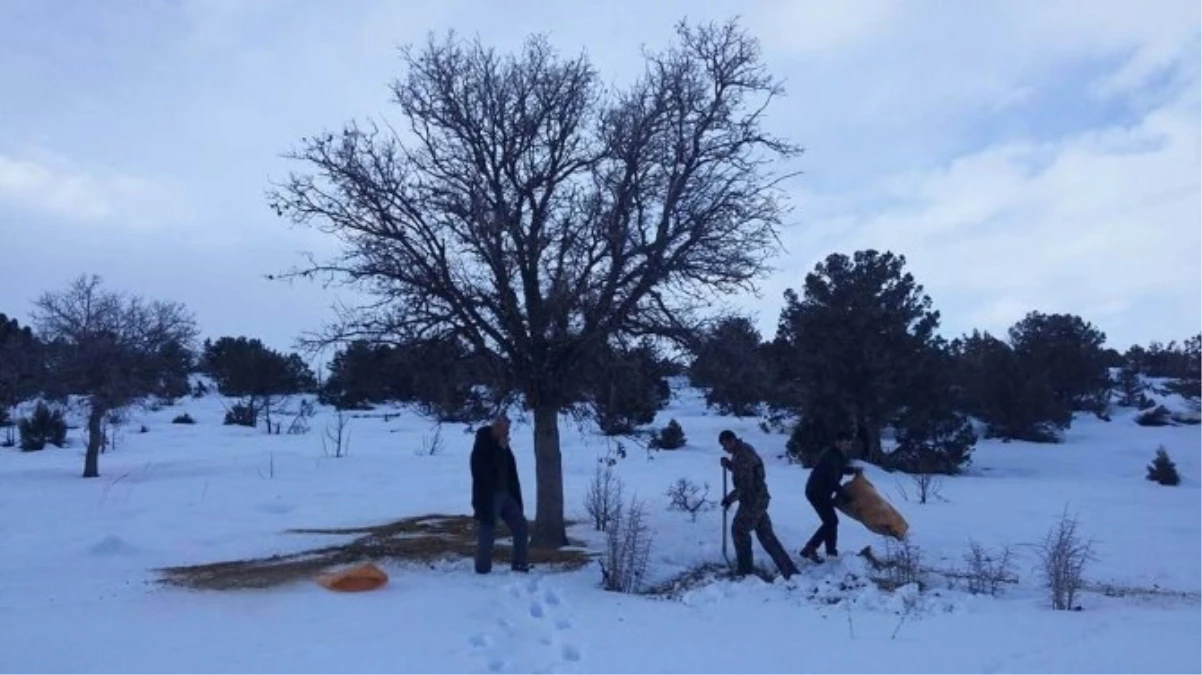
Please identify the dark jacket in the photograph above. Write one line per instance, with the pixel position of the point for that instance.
(491, 461)
(827, 474)
(747, 474)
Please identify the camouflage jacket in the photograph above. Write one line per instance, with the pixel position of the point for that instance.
(747, 474)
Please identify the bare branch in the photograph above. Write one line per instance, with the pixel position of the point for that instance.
(536, 217)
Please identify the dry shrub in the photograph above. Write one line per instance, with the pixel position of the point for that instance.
(603, 497)
(687, 496)
(627, 549)
(1063, 556)
(987, 571)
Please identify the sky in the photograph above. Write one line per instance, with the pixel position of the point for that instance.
(1021, 154)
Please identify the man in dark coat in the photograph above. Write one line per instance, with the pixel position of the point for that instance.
(824, 490)
(497, 493)
(751, 492)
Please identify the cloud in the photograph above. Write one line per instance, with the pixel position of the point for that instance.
(1023, 154)
(51, 185)
(922, 68)
(223, 24)
(813, 27)
(1094, 223)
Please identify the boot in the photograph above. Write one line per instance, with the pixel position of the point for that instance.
(810, 554)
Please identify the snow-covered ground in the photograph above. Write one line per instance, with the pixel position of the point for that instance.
(77, 591)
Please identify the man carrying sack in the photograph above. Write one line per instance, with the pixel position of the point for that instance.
(823, 490)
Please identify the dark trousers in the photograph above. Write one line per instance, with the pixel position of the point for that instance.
(755, 517)
(828, 531)
(506, 507)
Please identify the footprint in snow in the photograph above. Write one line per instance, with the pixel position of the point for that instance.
(535, 624)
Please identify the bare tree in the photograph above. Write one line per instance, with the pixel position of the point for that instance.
(112, 348)
(927, 486)
(338, 435)
(529, 212)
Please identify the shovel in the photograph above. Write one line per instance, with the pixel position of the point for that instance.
(725, 555)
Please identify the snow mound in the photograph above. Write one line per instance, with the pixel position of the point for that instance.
(112, 545)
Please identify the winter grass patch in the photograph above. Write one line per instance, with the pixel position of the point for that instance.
(420, 539)
(1153, 592)
(699, 576)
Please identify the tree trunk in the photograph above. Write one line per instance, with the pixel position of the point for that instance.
(10, 438)
(549, 529)
(876, 454)
(868, 433)
(267, 413)
(91, 460)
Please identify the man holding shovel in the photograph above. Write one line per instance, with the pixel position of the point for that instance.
(751, 492)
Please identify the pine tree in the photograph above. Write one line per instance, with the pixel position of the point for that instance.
(932, 436)
(1162, 469)
(1131, 387)
(730, 366)
(671, 437)
(854, 338)
(1007, 391)
(1068, 350)
(1188, 382)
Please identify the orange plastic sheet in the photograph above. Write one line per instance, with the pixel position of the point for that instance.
(365, 577)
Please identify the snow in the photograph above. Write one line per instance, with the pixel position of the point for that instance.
(78, 590)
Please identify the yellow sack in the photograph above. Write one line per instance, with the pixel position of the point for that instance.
(365, 577)
(869, 508)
